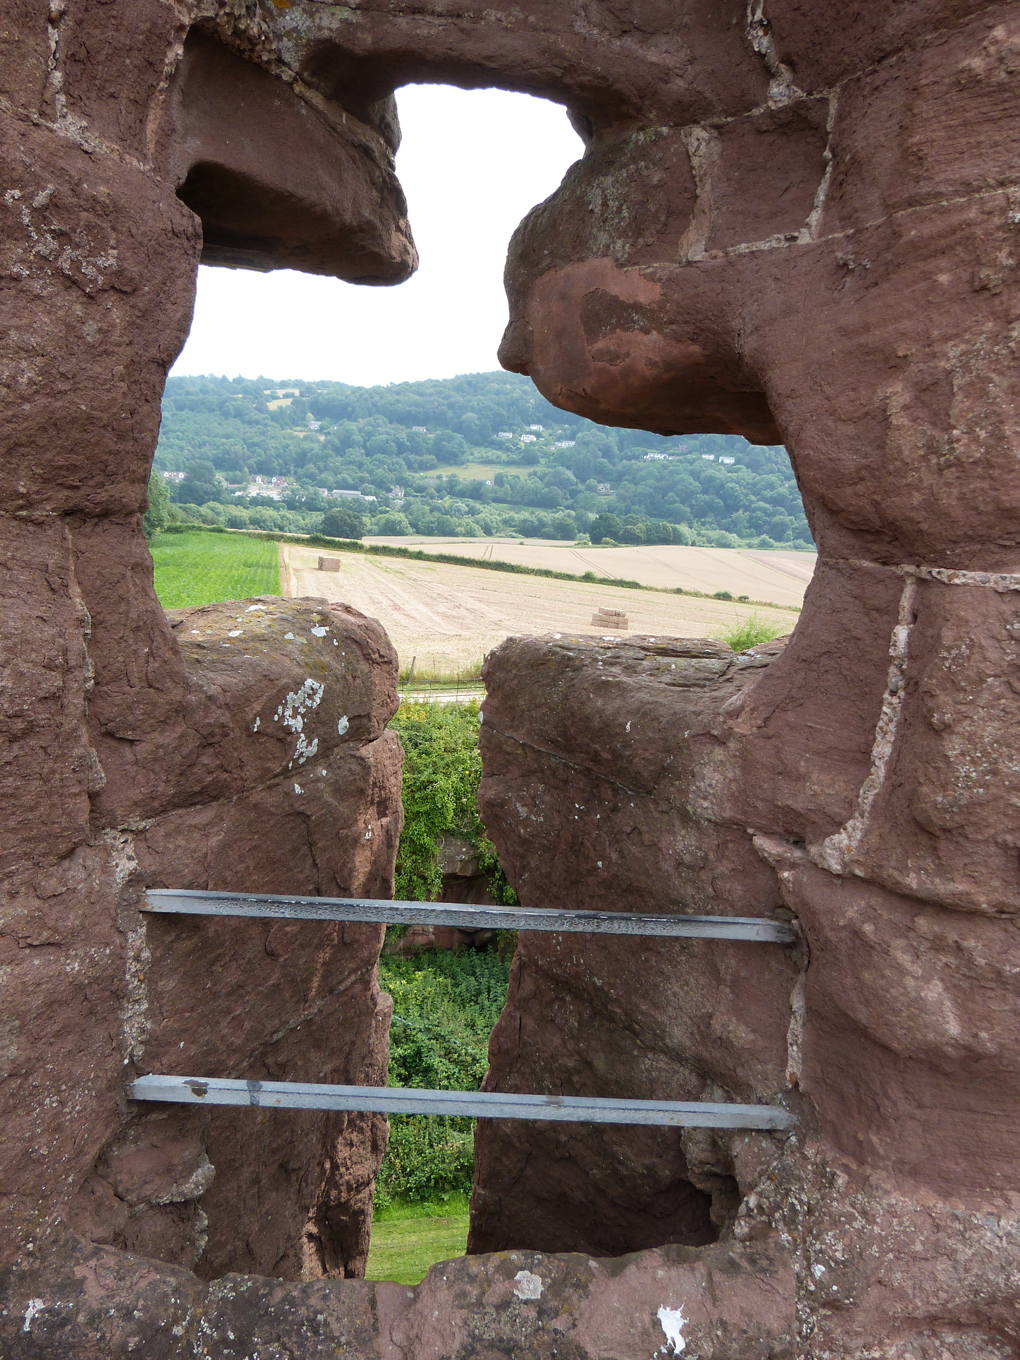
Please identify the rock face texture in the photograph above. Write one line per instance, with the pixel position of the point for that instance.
(727, 1303)
(242, 746)
(792, 222)
(889, 1029)
(612, 820)
(268, 763)
(463, 881)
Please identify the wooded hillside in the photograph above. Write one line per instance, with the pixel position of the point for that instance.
(464, 456)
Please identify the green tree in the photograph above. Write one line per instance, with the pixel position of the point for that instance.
(605, 526)
(343, 522)
(394, 524)
(158, 514)
(200, 485)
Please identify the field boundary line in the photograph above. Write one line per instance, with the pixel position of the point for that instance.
(452, 559)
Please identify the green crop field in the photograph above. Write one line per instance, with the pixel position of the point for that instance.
(202, 568)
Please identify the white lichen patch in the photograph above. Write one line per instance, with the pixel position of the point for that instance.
(673, 1321)
(253, 607)
(299, 702)
(342, 725)
(234, 632)
(292, 714)
(319, 632)
(35, 1307)
(527, 1286)
(303, 751)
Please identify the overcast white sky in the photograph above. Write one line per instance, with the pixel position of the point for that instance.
(472, 163)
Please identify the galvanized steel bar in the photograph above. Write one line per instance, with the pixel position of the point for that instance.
(198, 903)
(295, 1095)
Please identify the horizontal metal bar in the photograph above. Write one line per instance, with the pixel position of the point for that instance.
(295, 1095)
(193, 903)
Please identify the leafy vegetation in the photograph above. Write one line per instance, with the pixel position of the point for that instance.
(444, 1007)
(463, 456)
(202, 568)
(159, 511)
(444, 1004)
(751, 632)
(442, 770)
(342, 523)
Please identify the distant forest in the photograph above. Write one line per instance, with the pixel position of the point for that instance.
(462, 456)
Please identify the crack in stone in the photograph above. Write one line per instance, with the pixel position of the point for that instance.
(835, 854)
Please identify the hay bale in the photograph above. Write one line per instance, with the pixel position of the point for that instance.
(329, 564)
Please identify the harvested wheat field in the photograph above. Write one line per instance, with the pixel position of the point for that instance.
(448, 617)
(779, 577)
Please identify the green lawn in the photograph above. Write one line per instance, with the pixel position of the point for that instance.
(409, 1238)
(199, 568)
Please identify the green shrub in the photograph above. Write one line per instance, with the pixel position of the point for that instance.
(444, 1007)
(752, 632)
(442, 770)
(444, 1004)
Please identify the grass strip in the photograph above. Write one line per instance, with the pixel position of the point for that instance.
(408, 1239)
(485, 564)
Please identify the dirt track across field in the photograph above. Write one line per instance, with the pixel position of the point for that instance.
(779, 577)
(448, 617)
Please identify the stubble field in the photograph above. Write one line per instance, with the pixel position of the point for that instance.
(447, 617)
(777, 577)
